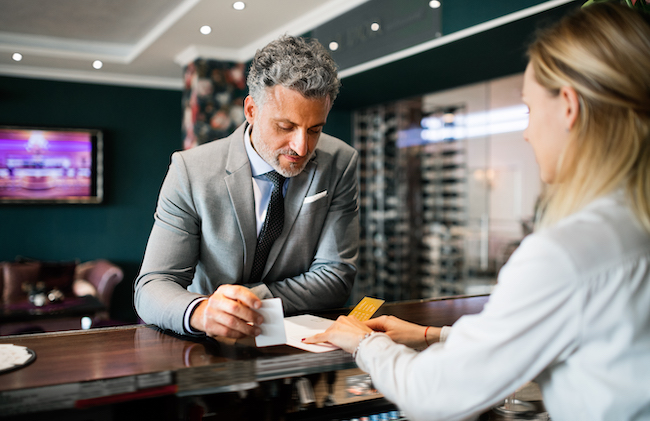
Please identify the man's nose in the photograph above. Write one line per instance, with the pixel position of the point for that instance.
(300, 142)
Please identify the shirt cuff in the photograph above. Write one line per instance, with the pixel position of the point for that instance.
(188, 314)
(444, 332)
(381, 341)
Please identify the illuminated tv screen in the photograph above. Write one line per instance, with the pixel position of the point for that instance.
(47, 165)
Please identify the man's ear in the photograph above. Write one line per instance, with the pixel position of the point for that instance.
(571, 105)
(250, 109)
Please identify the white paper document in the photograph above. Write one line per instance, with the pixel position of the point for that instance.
(273, 332)
(304, 326)
(280, 330)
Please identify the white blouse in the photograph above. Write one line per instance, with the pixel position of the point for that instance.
(571, 310)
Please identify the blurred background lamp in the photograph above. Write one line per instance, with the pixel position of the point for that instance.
(17, 56)
(97, 64)
(238, 5)
(86, 322)
(334, 45)
(434, 4)
(205, 30)
(448, 117)
(374, 26)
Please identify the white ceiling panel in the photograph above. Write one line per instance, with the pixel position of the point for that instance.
(144, 42)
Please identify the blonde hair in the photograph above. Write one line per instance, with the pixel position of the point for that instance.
(603, 52)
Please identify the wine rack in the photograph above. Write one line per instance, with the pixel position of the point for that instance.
(412, 206)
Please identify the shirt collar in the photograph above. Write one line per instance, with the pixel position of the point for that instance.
(258, 165)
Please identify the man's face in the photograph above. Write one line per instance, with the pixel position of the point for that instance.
(285, 130)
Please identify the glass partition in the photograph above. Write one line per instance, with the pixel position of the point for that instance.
(448, 189)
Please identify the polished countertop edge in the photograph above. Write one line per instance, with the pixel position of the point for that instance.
(229, 365)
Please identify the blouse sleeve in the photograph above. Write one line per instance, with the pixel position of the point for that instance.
(529, 321)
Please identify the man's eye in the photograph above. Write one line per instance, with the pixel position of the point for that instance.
(286, 129)
(316, 131)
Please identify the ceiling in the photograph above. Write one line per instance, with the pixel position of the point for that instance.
(144, 42)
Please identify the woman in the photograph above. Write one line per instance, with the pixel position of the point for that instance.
(572, 305)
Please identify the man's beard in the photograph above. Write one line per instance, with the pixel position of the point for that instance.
(272, 157)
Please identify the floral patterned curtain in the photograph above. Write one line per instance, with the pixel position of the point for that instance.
(213, 100)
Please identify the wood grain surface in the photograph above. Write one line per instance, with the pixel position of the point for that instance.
(108, 353)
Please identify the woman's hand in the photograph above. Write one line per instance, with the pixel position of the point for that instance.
(403, 332)
(345, 333)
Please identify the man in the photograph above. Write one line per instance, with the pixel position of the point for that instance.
(213, 254)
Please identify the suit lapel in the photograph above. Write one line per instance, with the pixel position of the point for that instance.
(296, 193)
(240, 189)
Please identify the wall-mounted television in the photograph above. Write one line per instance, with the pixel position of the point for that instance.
(50, 165)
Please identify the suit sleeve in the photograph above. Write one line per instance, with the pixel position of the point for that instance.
(161, 295)
(330, 277)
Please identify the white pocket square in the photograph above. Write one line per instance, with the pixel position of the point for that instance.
(315, 197)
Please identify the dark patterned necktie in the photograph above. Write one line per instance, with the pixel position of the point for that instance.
(272, 227)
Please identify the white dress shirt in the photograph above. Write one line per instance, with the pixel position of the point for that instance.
(262, 186)
(571, 310)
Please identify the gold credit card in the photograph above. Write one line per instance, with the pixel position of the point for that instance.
(366, 308)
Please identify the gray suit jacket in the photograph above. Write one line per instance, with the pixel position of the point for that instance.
(204, 232)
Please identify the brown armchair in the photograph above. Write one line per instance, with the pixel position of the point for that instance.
(21, 278)
(25, 274)
(102, 276)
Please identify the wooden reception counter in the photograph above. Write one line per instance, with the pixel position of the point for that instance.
(92, 374)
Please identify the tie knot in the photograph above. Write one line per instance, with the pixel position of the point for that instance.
(276, 178)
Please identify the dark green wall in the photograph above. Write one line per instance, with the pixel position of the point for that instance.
(339, 124)
(141, 129)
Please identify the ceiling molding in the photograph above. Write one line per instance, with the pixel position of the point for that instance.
(92, 50)
(305, 23)
(322, 14)
(64, 48)
(482, 27)
(335, 8)
(92, 77)
(160, 28)
(126, 53)
(195, 52)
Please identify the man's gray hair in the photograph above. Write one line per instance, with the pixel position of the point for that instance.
(295, 63)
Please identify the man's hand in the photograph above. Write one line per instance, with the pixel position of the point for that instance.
(227, 313)
(403, 332)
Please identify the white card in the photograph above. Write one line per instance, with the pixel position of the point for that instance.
(273, 332)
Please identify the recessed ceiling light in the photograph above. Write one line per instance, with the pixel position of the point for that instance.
(374, 26)
(205, 30)
(238, 5)
(97, 64)
(434, 4)
(17, 56)
(334, 45)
